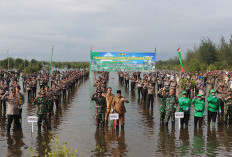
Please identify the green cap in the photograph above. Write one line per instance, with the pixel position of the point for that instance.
(212, 91)
(199, 95)
(184, 93)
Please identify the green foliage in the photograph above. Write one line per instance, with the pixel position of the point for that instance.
(208, 51)
(55, 149)
(183, 81)
(194, 65)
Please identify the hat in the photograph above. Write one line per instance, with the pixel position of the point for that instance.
(199, 95)
(119, 91)
(184, 93)
(212, 91)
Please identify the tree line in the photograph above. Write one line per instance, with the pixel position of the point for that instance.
(206, 56)
(25, 66)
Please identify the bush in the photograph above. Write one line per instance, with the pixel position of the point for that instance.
(57, 149)
(183, 81)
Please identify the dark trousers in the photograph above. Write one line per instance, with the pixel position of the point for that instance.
(56, 103)
(10, 119)
(184, 120)
(29, 92)
(212, 116)
(139, 91)
(144, 94)
(222, 106)
(64, 93)
(132, 85)
(3, 103)
(150, 99)
(34, 91)
(198, 119)
(127, 83)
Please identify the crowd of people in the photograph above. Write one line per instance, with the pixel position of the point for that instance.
(208, 94)
(52, 89)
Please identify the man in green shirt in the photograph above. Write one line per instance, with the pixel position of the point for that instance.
(199, 111)
(185, 105)
(214, 107)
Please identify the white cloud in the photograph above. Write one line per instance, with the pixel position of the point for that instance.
(31, 27)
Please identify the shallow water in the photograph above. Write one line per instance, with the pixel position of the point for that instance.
(143, 135)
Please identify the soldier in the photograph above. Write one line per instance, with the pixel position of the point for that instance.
(188, 87)
(13, 105)
(100, 108)
(185, 105)
(3, 90)
(228, 107)
(55, 95)
(109, 99)
(139, 86)
(29, 88)
(144, 91)
(199, 111)
(214, 107)
(162, 94)
(150, 92)
(171, 103)
(21, 97)
(34, 84)
(119, 107)
(43, 107)
(49, 95)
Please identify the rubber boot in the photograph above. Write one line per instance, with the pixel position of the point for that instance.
(122, 127)
(117, 128)
(213, 124)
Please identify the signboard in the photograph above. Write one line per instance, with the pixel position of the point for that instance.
(123, 61)
(114, 116)
(179, 114)
(32, 119)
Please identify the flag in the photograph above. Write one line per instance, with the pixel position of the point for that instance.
(50, 67)
(90, 63)
(180, 59)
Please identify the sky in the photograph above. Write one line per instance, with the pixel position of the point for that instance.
(29, 28)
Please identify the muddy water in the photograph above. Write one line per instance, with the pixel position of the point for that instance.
(143, 135)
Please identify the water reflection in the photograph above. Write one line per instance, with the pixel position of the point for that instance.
(14, 144)
(198, 142)
(184, 137)
(109, 142)
(166, 141)
(42, 141)
(212, 141)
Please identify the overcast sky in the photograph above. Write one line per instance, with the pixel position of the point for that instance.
(29, 28)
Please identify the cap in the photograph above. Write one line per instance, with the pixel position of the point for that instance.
(119, 91)
(199, 95)
(212, 91)
(184, 93)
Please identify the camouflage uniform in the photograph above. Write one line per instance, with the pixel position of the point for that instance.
(162, 106)
(43, 105)
(228, 109)
(100, 109)
(170, 108)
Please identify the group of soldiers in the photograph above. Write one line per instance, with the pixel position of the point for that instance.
(183, 90)
(107, 103)
(61, 83)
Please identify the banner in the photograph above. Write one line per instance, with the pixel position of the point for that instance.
(123, 61)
